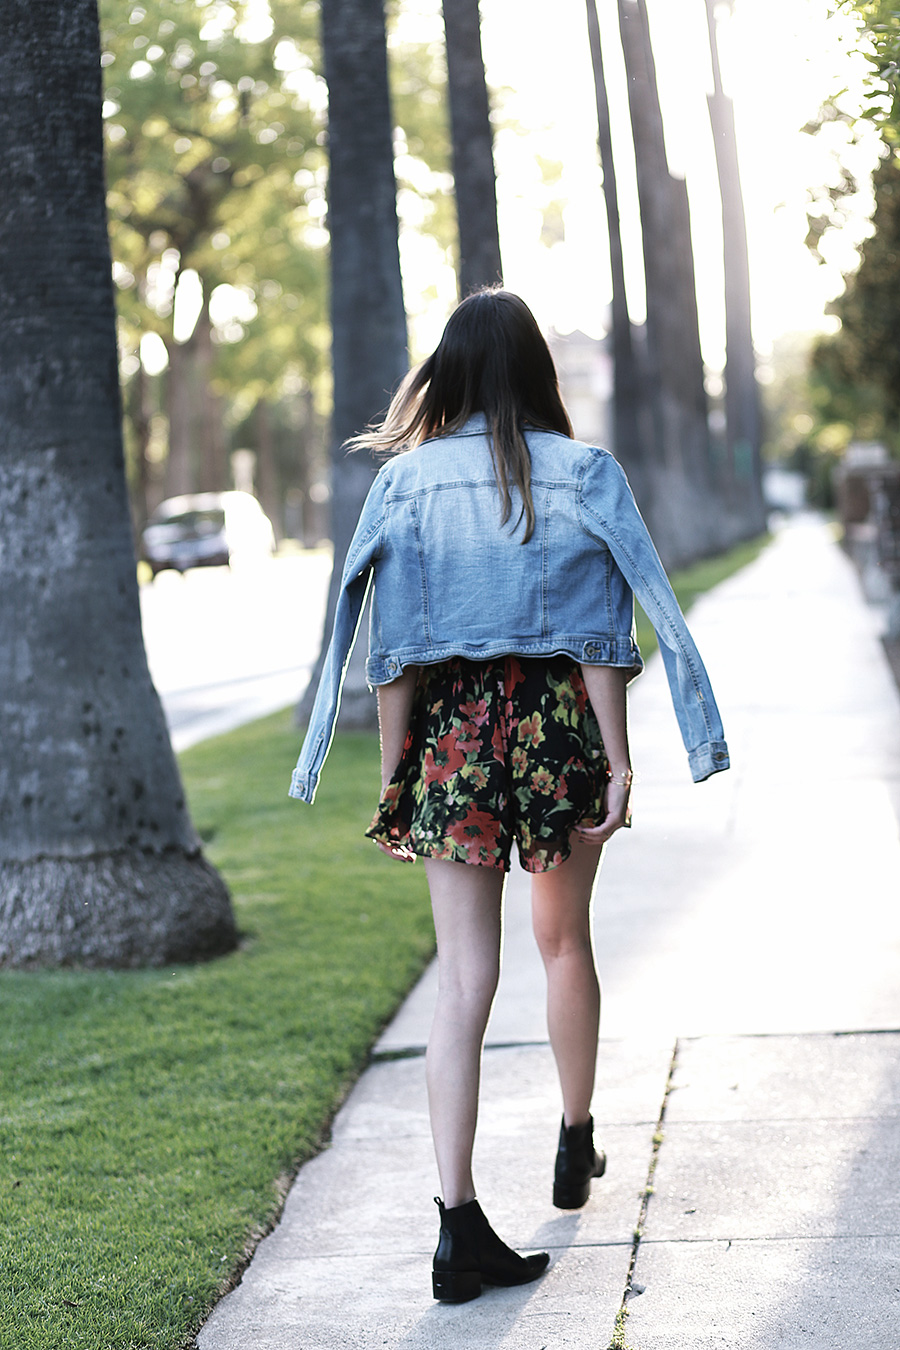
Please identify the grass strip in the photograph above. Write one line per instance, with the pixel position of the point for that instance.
(689, 582)
(151, 1121)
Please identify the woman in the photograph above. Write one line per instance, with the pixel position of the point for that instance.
(504, 556)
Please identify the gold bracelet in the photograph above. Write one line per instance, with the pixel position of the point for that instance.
(624, 779)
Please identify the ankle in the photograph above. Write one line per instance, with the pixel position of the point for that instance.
(454, 1199)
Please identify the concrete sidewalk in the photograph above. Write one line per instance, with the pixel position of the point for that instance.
(748, 933)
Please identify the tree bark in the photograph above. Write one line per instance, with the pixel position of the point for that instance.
(473, 149)
(197, 460)
(139, 402)
(368, 320)
(742, 411)
(631, 431)
(687, 525)
(99, 861)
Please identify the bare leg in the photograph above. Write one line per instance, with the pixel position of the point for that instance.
(466, 902)
(561, 915)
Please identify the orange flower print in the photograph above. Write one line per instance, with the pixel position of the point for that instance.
(564, 701)
(513, 673)
(477, 830)
(474, 774)
(440, 766)
(522, 724)
(554, 860)
(467, 738)
(519, 759)
(531, 729)
(475, 710)
(476, 836)
(581, 694)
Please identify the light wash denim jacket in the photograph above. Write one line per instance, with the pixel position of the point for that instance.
(449, 580)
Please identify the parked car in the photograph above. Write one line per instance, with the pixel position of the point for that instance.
(206, 529)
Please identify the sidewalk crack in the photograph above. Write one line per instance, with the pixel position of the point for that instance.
(631, 1290)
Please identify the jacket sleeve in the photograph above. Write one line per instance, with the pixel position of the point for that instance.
(356, 579)
(609, 513)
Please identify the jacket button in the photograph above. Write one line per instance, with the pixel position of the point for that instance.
(719, 756)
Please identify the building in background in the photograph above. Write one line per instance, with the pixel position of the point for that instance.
(585, 370)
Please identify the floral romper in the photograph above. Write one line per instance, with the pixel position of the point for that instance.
(496, 751)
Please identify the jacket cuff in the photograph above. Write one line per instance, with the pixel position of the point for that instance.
(303, 786)
(708, 759)
(382, 670)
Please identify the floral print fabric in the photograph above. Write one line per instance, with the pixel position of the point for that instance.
(496, 751)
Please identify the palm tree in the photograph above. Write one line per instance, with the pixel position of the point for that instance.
(742, 411)
(99, 862)
(632, 440)
(368, 319)
(473, 149)
(675, 364)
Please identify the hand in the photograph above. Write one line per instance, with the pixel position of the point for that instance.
(618, 816)
(398, 851)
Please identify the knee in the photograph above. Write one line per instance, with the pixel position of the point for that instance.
(562, 942)
(468, 990)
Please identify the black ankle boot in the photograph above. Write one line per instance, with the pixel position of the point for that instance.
(576, 1163)
(470, 1254)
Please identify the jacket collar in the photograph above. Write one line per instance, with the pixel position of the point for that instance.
(476, 426)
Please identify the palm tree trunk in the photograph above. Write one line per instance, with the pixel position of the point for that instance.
(632, 439)
(140, 415)
(368, 319)
(99, 862)
(675, 366)
(742, 412)
(473, 149)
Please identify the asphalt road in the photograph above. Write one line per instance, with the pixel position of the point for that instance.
(229, 645)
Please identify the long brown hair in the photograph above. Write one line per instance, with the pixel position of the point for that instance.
(492, 358)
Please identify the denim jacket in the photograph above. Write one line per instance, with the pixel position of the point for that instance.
(450, 580)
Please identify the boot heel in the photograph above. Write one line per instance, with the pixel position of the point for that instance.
(456, 1286)
(577, 1164)
(571, 1197)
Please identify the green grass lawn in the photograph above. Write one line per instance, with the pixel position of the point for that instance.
(150, 1122)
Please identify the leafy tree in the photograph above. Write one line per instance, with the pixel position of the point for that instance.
(855, 377)
(812, 409)
(880, 27)
(214, 129)
(865, 354)
(99, 862)
(217, 167)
